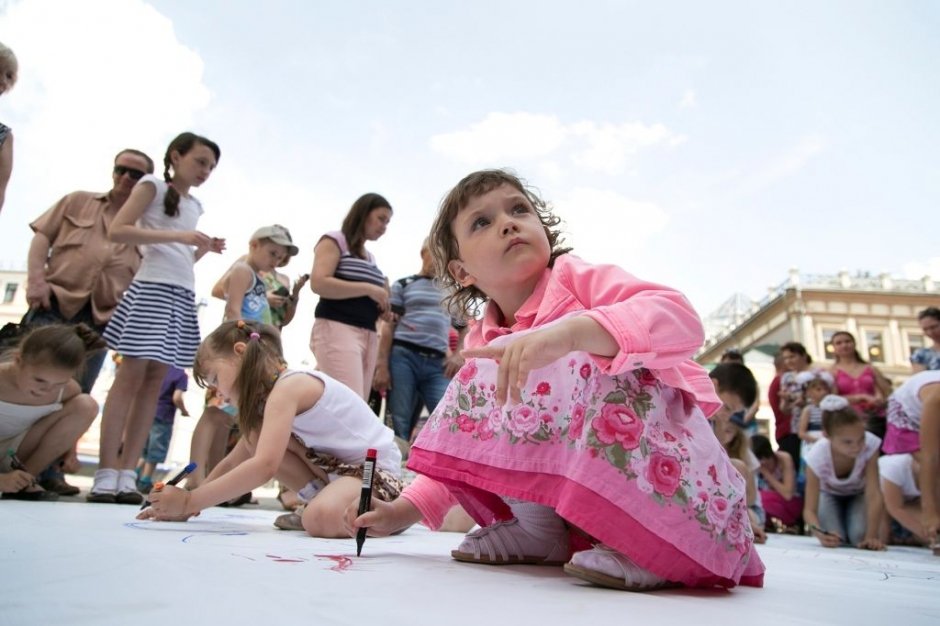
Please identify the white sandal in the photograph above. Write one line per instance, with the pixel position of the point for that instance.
(606, 567)
(507, 543)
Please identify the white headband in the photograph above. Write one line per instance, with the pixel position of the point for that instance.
(833, 403)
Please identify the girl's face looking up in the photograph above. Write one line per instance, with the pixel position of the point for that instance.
(501, 241)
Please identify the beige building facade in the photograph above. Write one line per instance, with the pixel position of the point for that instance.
(880, 311)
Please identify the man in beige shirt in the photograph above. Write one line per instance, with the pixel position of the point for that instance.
(75, 274)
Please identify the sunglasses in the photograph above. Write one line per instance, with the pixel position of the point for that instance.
(135, 174)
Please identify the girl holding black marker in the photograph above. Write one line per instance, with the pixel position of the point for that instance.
(843, 502)
(302, 427)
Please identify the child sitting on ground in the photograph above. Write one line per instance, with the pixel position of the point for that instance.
(301, 427)
(776, 483)
(578, 407)
(42, 410)
(843, 500)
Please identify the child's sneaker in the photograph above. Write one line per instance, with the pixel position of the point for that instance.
(608, 568)
(537, 536)
(104, 489)
(145, 485)
(127, 488)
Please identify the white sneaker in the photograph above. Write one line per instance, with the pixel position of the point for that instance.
(538, 536)
(104, 488)
(606, 567)
(127, 488)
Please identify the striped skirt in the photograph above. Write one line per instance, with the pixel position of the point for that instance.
(155, 321)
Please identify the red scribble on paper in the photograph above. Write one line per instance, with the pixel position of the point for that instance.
(343, 563)
(282, 559)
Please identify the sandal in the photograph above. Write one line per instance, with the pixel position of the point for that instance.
(241, 500)
(290, 521)
(501, 543)
(608, 568)
(35, 495)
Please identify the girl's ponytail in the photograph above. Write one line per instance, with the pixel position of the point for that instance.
(261, 363)
(59, 345)
(171, 202)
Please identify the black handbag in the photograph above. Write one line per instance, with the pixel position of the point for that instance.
(12, 333)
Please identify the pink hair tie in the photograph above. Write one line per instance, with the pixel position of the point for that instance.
(254, 336)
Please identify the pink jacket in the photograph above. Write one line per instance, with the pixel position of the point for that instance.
(655, 327)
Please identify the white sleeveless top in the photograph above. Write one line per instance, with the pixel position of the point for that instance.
(18, 418)
(905, 405)
(342, 424)
(819, 460)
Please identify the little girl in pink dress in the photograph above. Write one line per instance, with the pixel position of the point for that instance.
(579, 411)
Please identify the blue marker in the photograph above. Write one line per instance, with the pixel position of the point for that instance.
(186, 471)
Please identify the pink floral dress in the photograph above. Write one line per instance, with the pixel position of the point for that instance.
(630, 461)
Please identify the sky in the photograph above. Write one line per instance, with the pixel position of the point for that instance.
(705, 146)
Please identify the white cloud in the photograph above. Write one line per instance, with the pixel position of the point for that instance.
(605, 226)
(503, 137)
(593, 146)
(95, 77)
(610, 145)
(688, 100)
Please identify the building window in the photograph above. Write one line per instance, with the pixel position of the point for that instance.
(10, 292)
(874, 346)
(915, 342)
(827, 334)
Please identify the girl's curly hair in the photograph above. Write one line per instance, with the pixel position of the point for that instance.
(465, 301)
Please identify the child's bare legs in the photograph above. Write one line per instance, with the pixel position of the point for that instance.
(906, 512)
(323, 516)
(457, 521)
(133, 380)
(55, 434)
(130, 405)
(211, 431)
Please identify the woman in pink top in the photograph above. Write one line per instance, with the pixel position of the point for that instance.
(579, 409)
(859, 382)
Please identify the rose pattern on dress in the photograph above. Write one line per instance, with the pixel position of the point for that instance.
(607, 417)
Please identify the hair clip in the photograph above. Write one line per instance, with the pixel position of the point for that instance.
(240, 323)
(833, 403)
(254, 336)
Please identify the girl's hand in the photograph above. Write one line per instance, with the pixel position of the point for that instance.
(380, 296)
(828, 540)
(170, 502)
(150, 514)
(218, 245)
(275, 301)
(195, 238)
(871, 543)
(299, 284)
(534, 350)
(382, 519)
(14, 481)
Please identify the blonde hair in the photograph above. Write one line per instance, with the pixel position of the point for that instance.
(462, 300)
(261, 363)
(8, 61)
